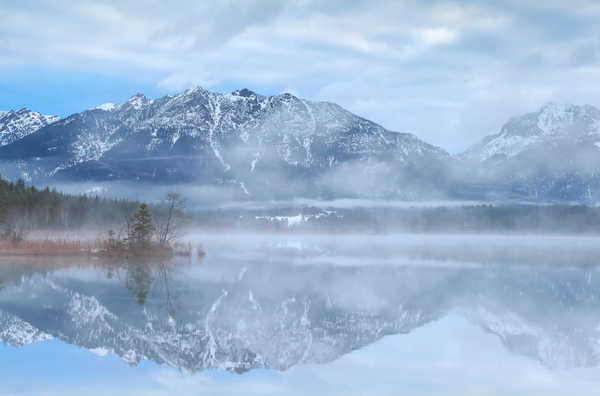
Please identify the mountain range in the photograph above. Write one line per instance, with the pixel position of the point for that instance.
(251, 146)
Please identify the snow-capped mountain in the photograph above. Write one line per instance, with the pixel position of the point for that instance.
(244, 140)
(15, 125)
(245, 145)
(549, 126)
(552, 154)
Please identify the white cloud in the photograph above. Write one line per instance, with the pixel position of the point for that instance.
(437, 35)
(448, 71)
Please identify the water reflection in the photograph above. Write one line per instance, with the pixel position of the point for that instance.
(277, 304)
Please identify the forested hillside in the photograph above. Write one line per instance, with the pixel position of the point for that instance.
(27, 207)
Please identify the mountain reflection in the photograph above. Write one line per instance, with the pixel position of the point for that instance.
(280, 307)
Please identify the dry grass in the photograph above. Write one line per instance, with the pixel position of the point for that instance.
(89, 247)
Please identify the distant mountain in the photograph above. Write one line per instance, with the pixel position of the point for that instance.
(254, 145)
(242, 145)
(15, 125)
(550, 155)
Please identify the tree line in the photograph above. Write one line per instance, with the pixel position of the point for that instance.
(134, 224)
(28, 207)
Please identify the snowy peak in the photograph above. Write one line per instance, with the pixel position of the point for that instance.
(554, 118)
(137, 101)
(108, 106)
(549, 155)
(229, 139)
(552, 123)
(15, 125)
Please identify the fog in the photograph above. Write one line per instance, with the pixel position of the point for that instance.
(418, 250)
(212, 197)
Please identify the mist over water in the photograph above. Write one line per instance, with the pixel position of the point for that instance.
(401, 308)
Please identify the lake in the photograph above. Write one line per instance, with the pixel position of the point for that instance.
(310, 314)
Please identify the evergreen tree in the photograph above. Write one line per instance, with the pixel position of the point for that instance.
(141, 228)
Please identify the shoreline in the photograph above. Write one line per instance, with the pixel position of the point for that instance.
(92, 249)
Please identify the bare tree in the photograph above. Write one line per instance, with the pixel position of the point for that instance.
(170, 217)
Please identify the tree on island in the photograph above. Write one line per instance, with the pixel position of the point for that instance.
(141, 229)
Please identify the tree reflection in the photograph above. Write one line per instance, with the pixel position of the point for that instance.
(139, 280)
(143, 273)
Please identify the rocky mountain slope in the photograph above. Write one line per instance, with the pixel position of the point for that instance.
(15, 125)
(243, 145)
(552, 124)
(550, 155)
(243, 141)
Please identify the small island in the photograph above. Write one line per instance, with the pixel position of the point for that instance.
(27, 213)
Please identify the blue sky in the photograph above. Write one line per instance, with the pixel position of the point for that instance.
(448, 71)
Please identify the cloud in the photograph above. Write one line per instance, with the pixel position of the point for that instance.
(448, 71)
(437, 35)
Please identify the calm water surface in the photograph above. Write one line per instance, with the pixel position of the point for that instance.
(347, 315)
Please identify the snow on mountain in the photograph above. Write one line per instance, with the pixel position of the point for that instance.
(240, 138)
(109, 106)
(550, 155)
(250, 146)
(15, 125)
(553, 122)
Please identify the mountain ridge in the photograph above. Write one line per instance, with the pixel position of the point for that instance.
(552, 154)
(213, 138)
(246, 145)
(16, 124)
(553, 120)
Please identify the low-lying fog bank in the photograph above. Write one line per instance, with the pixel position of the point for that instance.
(550, 219)
(421, 249)
(211, 211)
(404, 249)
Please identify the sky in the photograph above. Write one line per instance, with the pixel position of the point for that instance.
(449, 72)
